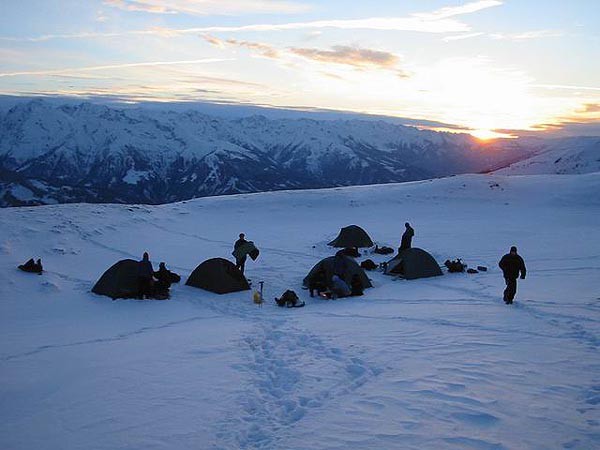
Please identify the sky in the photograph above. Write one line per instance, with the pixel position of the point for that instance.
(489, 67)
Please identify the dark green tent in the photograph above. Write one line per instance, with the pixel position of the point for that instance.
(218, 275)
(413, 263)
(352, 236)
(351, 268)
(119, 281)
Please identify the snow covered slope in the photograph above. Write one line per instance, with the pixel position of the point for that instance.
(52, 152)
(438, 363)
(560, 156)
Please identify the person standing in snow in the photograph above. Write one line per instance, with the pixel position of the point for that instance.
(145, 280)
(512, 264)
(407, 237)
(240, 261)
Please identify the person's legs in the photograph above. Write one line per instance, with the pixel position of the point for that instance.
(511, 290)
(240, 263)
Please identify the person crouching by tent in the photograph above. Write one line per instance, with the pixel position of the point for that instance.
(407, 237)
(318, 283)
(339, 288)
(356, 286)
(512, 264)
(145, 280)
(164, 279)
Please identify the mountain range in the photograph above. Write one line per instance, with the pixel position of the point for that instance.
(88, 152)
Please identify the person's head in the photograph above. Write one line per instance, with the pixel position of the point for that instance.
(407, 224)
(162, 265)
(513, 250)
(146, 256)
(242, 235)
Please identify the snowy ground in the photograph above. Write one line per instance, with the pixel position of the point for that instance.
(439, 363)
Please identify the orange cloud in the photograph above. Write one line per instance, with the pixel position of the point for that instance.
(351, 56)
(357, 57)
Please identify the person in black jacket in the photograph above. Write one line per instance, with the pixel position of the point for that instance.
(240, 262)
(145, 277)
(318, 283)
(407, 237)
(512, 264)
(164, 278)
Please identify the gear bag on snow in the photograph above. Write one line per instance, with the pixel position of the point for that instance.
(289, 299)
(455, 266)
(368, 264)
(383, 250)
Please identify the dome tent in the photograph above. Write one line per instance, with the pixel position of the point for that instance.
(119, 281)
(351, 268)
(352, 236)
(413, 263)
(218, 275)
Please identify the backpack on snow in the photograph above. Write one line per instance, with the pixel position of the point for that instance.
(455, 266)
(383, 250)
(289, 299)
(368, 264)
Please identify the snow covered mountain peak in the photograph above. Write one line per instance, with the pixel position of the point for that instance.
(86, 152)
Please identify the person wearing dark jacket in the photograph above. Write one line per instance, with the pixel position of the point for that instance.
(318, 283)
(164, 279)
(356, 286)
(407, 237)
(241, 261)
(145, 280)
(512, 265)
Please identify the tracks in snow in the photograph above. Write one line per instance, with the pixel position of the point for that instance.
(291, 372)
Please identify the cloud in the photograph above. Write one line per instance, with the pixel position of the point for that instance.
(467, 8)
(568, 87)
(209, 7)
(356, 57)
(439, 21)
(262, 49)
(525, 35)
(109, 67)
(590, 108)
(352, 56)
(131, 5)
(460, 37)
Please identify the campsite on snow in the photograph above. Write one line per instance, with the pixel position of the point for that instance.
(436, 362)
(299, 225)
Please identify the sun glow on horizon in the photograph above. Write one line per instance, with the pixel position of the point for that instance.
(494, 82)
(489, 135)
